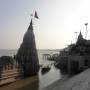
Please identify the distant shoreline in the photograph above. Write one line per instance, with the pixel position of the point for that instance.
(37, 49)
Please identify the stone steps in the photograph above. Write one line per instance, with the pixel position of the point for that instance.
(9, 76)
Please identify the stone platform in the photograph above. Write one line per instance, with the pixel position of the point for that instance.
(78, 82)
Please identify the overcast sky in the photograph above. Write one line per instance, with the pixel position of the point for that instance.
(59, 19)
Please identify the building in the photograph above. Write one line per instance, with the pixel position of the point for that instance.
(27, 54)
(76, 57)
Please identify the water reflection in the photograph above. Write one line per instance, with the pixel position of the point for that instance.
(50, 77)
(43, 80)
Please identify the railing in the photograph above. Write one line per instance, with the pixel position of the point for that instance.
(50, 56)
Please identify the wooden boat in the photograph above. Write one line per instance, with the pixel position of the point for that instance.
(45, 69)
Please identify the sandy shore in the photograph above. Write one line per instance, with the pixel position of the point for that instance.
(78, 82)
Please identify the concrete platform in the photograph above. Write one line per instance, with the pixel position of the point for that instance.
(78, 82)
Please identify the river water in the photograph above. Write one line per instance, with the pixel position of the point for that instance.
(43, 80)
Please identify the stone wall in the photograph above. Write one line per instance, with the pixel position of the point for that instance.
(75, 63)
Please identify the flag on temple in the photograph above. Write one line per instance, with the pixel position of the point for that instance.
(35, 15)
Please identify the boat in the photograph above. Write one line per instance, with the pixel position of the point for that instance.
(45, 69)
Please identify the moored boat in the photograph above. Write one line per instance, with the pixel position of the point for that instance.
(45, 69)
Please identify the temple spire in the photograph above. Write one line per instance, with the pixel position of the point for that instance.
(31, 25)
(27, 56)
(80, 38)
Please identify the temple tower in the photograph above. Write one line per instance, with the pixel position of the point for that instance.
(27, 54)
(80, 39)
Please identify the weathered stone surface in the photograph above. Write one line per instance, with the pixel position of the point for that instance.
(27, 54)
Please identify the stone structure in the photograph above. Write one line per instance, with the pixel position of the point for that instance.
(82, 47)
(9, 70)
(27, 54)
(76, 57)
(25, 62)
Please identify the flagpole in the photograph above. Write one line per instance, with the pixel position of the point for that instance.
(32, 18)
(76, 36)
(86, 30)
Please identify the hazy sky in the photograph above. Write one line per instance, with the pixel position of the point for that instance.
(59, 19)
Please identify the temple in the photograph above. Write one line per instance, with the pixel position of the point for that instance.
(27, 54)
(82, 46)
(76, 57)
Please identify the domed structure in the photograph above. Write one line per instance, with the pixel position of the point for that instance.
(27, 54)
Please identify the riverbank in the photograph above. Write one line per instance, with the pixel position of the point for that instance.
(20, 84)
(31, 83)
(36, 82)
(78, 82)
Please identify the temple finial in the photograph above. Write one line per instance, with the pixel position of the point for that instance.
(31, 25)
